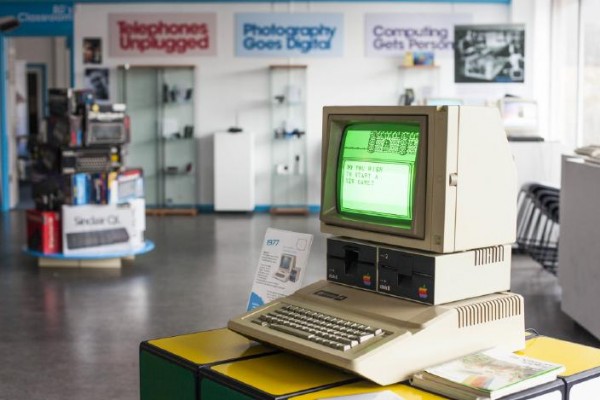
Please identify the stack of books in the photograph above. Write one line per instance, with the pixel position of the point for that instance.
(487, 375)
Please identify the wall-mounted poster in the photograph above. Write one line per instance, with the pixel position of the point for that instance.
(289, 35)
(489, 53)
(394, 34)
(92, 50)
(97, 80)
(159, 34)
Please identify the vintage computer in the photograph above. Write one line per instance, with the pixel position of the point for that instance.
(422, 203)
(287, 264)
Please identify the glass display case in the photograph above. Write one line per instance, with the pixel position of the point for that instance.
(160, 102)
(289, 183)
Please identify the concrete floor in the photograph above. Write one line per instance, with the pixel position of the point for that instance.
(67, 334)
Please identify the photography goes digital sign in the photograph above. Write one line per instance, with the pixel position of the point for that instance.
(289, 35)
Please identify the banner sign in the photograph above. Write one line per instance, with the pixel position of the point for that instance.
(391, 35)
(289, 35)
(40, 19)
(158, 34)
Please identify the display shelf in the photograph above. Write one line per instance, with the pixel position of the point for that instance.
(109, 260)
(423, 80)
(178, 172)
(289, 183)
(160, 100)
(419, 67)
(176, 139)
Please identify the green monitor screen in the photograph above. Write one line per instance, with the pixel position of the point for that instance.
(377, 172)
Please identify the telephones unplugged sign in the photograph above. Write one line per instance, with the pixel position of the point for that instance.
(153, 34)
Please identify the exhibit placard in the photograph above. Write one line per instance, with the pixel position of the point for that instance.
(289, 35)
(158, 34)
(281, 266)
(391, 35)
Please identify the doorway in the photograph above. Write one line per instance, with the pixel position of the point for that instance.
(34, 64)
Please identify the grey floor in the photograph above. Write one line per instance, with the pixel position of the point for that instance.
(67, 334)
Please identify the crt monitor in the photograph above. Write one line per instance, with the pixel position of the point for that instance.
(433, 178)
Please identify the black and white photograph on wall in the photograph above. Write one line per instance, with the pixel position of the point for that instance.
(489, 53)
(92, 50)
(97, 79)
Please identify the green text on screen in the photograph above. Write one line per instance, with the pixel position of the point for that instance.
(377, 170)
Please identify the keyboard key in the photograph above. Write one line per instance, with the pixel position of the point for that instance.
(327, 330)
(292, 331)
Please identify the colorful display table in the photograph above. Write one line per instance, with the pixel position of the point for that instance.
(221, 364)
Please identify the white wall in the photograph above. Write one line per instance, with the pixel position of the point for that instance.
(38, 50)
(51, 51)
(227, 86)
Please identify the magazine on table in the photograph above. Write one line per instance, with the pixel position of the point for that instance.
(489, 375)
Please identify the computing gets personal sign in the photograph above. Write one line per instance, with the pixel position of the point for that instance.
(158, 34)
(391, 35)
(289, 35)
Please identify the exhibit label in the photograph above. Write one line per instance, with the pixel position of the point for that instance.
(281, 266)
(391, 35)
(157, 34)
(289, 35)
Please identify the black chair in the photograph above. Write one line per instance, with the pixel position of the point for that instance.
(538, 224)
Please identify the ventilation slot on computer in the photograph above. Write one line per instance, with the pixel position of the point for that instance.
(489, 255)
(489, 311)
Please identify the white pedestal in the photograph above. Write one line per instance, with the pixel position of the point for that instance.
(234, 171)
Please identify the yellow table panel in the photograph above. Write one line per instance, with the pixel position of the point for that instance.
(575, 357)
(402, 390)
(282, 373)
(210, 346)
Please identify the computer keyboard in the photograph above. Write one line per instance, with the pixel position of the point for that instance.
(80, 240)
(385, 339)
(327, 330)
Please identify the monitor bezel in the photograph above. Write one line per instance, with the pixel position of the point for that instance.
(330, 212)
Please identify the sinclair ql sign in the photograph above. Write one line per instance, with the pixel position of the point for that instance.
(157, 34)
